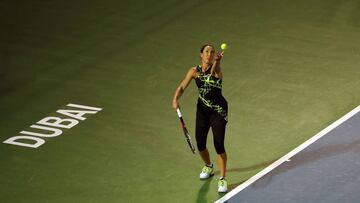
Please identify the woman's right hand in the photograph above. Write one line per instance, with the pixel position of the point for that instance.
(175, 104)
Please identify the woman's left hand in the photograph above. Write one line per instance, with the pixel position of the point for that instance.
(219, 56)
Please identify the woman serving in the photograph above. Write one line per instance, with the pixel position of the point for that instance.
(211, 110)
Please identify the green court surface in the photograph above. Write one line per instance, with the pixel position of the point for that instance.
(291, 69)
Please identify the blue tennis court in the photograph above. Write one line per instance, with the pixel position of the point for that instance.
(323, 169)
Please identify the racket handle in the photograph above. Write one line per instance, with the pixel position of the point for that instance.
(178, 112)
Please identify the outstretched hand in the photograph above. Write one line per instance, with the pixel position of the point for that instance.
(219, 56)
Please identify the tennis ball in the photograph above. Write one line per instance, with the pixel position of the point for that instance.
(223, 46)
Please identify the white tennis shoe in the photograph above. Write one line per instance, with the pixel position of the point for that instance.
(206, 172)
(222, 185)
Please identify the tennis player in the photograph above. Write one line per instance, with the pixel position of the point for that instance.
(212, 110)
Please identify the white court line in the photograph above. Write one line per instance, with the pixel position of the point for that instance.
(288, 156)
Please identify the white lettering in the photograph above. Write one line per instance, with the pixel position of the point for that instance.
(84, 107)
(58, 122)
(14, 141)
(78, 114)
(56, 132)
(51, 124)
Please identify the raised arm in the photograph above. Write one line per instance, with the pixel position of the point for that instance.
(181, 88)
(215, 68)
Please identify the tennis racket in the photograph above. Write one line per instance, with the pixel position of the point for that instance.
(186, 132)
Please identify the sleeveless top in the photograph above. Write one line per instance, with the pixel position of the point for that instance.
(210, 92)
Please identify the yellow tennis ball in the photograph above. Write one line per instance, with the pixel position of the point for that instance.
(223, 46)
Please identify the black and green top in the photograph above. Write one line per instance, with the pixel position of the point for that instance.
(210, 91)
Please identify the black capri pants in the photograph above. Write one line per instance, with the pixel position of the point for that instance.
(206, 118)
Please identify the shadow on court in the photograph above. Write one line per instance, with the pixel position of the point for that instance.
(201, 197)
(202, 194)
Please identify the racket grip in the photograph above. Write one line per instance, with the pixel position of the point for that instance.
(178, 112)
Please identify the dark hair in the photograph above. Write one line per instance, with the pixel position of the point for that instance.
(205, 45)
